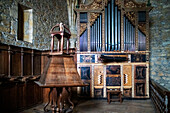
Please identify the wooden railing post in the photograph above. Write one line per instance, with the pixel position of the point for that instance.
(32, 62)
(22, 62)
(9, 61)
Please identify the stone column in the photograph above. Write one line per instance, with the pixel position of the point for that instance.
(71, 4)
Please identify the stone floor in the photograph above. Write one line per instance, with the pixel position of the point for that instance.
(101, 106)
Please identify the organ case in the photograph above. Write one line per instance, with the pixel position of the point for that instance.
(114, 28)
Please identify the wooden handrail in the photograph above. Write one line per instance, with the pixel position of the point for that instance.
(160, 97)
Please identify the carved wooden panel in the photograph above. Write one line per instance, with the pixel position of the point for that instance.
(86, 90)
(113, 80)
(87, 58)
(127, 75)
(85, 73)
(140, 89)
(3, 62)
(138, 58)
(140, 72)
(98, 93)
(127, 92)
(98, 76)
(113, 69)
(140, 80)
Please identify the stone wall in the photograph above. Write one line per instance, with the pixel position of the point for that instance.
(46, 13)
(160, 42)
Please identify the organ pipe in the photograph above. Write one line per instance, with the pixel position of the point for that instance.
(112, 25)
(112, 28)
(109, 41)
(94, 36)
(100, 32)
(106, 36)
(116, 27)
(119, 30)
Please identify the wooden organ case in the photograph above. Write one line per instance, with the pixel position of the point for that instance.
(113, 47)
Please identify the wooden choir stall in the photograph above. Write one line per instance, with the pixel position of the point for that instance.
(113, 47)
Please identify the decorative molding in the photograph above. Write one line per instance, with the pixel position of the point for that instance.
(136, 31)
(78, 31)
(104, 74)
(88, 33)
(147, 29)
(103, 31)
(93, 17)
(83, 27)
(92, 82)
(133, 84)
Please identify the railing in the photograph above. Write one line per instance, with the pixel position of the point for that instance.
(160, 97)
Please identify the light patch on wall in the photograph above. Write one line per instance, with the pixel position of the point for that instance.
(28, 25)
(25, 23)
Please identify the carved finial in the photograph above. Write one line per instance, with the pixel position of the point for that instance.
(61, 27)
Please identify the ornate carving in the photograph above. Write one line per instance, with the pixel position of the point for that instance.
(83, 27)
(133, 4)
(142, 27)
(131, 16)
(96, 4)
(127, 72)
(118, 3)
(93, 17)
(98, 75)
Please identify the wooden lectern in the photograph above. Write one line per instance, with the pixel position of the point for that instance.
(60, 71)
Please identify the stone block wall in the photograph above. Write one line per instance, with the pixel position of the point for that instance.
(46, 13)
(160, 42)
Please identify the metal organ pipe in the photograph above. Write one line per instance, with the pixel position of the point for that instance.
(130, 42)
(112, 25)
(119, 31)
(106, 36)
(126, 33)
(124, 21)
(133, 38)
(96, 36)
(91, 38)
(116, 27)
(128, 37)
(109, 41)
(100, 32)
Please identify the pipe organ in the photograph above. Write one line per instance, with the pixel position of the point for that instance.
(116, 31)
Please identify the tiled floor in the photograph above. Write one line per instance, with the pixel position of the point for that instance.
(101, 106)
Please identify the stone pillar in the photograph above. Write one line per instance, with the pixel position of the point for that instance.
(71, 4)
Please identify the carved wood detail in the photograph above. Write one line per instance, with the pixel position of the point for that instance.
(98, 76)
(96, 4)
(133, 4)
(127, 75)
